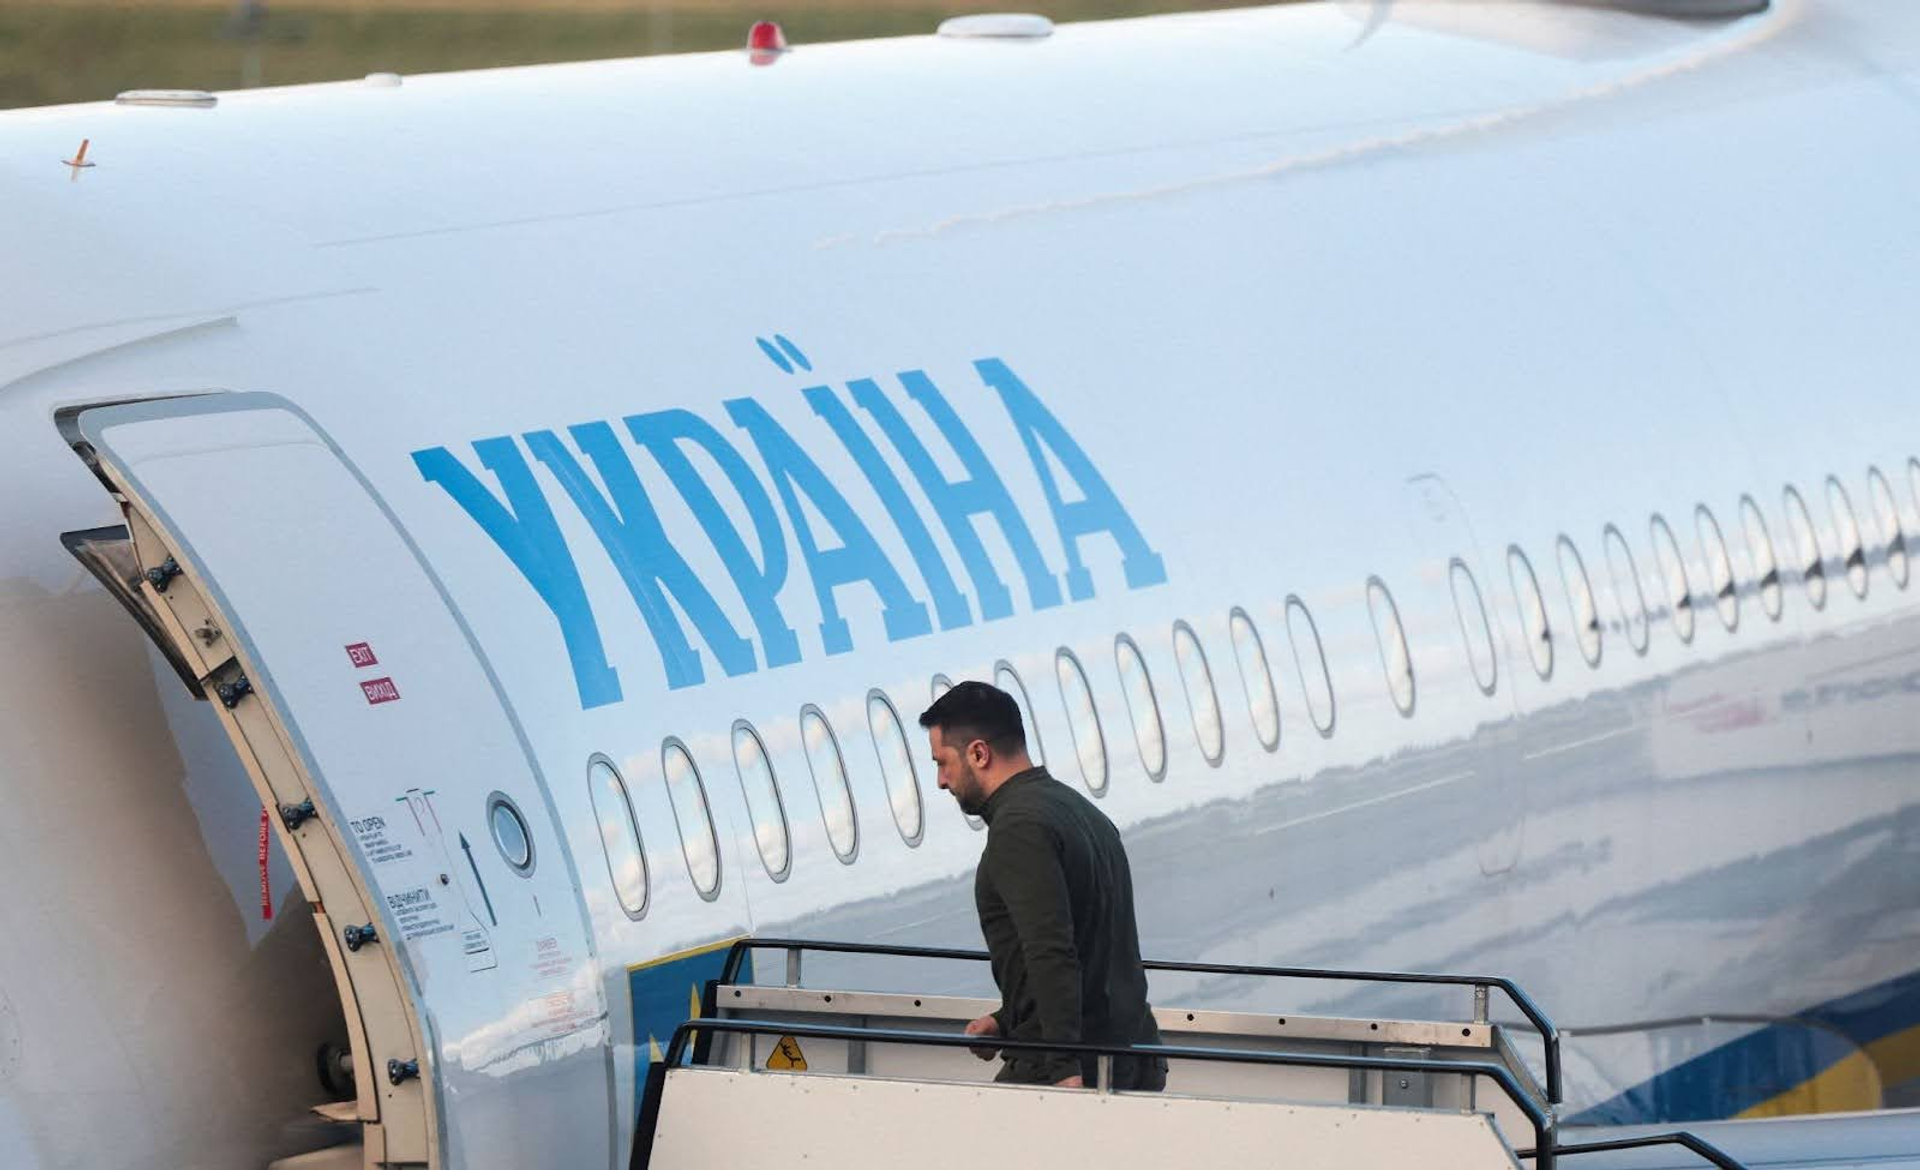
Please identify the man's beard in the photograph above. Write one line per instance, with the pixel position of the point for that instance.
(967, 792)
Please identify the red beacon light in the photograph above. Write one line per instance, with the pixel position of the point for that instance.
(765, 42)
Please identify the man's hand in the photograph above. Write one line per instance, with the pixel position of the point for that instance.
(984, 1026)
(1073, 1082)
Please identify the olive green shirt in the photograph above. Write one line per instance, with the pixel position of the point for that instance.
(1055, 897)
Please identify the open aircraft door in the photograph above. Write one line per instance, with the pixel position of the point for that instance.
(404, 790)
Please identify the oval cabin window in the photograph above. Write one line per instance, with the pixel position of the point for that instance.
(829, 769)
(1143, 707)
(1846, 527)
(692, 817)
(1584, 609)
(770, 833)
(1713, 546)
(1886, 515)
(1766, 567)
(1673, 577)
(1630, 599)
(896, 766)
(1806, 547)
(1535, 630)
(619, 835)
(1470, 610)
(1310, 666)
(1008, 680)
(1391, 639)
(1083, 718)
(1203, 702)
(1256, 679)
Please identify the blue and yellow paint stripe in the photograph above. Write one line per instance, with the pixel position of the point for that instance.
(665, 993)
(1835, 1057)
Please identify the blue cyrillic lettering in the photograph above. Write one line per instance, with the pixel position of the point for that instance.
(759, 584)
(949, 604)
(958, 502)
(1097, 509)
(637, 543)
(525, 530)
(858, 558)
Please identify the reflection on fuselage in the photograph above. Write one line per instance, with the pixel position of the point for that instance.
(1652, 806)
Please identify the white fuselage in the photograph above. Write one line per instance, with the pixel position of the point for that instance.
(1313, 312)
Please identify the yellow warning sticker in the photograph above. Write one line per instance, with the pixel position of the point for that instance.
(787, 1055)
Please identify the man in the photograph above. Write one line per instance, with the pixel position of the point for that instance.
(1055, 898)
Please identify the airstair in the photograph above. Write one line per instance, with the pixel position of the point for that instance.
(851, 1079)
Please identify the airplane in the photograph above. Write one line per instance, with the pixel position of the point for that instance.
(476, 545)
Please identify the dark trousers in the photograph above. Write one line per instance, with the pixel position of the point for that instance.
(1134, 1074)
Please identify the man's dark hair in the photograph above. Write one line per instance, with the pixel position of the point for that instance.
(976, 710)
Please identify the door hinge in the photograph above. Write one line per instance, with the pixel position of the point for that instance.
(295, 815)
(231, 693)
(163, 576)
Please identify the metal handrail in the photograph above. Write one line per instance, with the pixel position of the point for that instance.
(1700, 1146)
(1549, 1034)
(1539, 1119)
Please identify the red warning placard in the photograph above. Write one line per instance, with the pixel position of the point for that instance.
(361, 654)
(380, 690)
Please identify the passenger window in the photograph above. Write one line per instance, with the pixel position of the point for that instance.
(1766, 568)
(1089, 744)
(1580, 602)
(1256, 679)
(1806, 547)
(1310, 664)
(1886, 511)
(1203, 702)
(1624, 572)
(896, 766)
(829, 769)
(1008, 680)
(1475, 630)
(770, 832)
(1391, 638)
(693, 818)
(1535, 630)
(1853, 555)
(1713, 545)
(619, 835)
(1673, 576)
(1143, 707)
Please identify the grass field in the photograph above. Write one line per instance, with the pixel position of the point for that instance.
(55, 51)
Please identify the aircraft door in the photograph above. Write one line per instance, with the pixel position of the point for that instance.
(410, 802)
(1451, 562)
